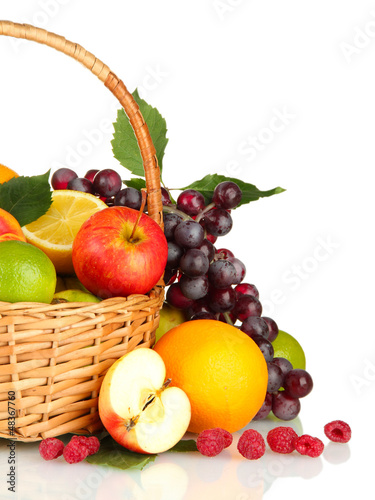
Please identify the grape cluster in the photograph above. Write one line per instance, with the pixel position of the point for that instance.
(207, 283)
(104, 183)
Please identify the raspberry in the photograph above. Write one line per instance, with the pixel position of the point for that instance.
(76, 450)
(310, 446)
(210, 442)
(251, 445)
(51, 448)
(338, 431)
(282, 439)
(227, 436)
(92, 443)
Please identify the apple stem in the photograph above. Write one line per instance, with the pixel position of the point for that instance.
(144, 197)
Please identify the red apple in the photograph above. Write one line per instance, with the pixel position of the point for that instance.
(110, 262)
(138, 408)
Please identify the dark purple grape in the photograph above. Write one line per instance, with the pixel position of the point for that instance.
(208, 249)
(189, 234)
(198, 306)
(273, 329)
(107, 182)
(222, 299)
(227, 194)
(265, 408)
(218, 222)
(175, 252)
(61, 177)
(165, 198)
(223, 253)
(221, 273)
(265, 346)
(81, 184)
(129, 197)
(176, 298)
(202, 315)
(247, 289)
(191, 202)
(246, 306)
(90, 174)
(254, 324)
(275, 377)
(194, 288)
(284, 406)
(298, 383)
(194, 263)
(240, 269)
(284, 364)
(171, 221)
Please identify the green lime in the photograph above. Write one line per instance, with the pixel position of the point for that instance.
(286, 346)
(26, 273)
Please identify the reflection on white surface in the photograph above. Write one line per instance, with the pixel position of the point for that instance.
(336, 453)
(172, 476)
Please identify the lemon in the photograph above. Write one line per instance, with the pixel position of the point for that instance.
(286, 346)
(26, 273)
(55, 231)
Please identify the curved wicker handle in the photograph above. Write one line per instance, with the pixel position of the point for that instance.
(118, 89)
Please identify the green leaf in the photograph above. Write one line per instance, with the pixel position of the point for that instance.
(26, 198)
(250, 192)
(136, 183)
(124, 144)
(113, 454)
(185, 445)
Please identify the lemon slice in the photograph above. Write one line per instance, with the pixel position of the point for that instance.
(55, 231)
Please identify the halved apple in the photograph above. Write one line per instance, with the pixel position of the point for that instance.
(137, 407)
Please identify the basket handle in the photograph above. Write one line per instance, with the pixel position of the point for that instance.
(118, 89)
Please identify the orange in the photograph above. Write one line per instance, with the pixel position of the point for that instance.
(6, 174)
(55, 231)
(220, 368)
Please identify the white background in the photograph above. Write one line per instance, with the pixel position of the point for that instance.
(221, 72)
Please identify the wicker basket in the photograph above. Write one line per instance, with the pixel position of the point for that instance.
(53, 357)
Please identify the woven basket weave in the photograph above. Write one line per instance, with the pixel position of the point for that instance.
(53, 357)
